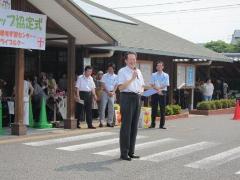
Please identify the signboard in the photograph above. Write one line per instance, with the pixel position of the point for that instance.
(190, 76)
(5, 4)
(22, 30)
(181, 74)
(185, 75)
(146, 67)
(86, 62)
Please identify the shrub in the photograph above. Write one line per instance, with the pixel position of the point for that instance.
(212, 105)
(232, 102)
(176, 109)
(168, 110)
(204, 105)
(224, 103)
(218, 104)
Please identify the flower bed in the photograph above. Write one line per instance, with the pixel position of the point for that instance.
(173, 112)
(223, 106)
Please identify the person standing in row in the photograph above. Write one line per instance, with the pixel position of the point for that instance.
(130, 81)
(160, 82)
(109, 83)
(27, 94)
(85, 90)
(207, 90)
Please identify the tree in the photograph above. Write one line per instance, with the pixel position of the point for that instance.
(222, 47)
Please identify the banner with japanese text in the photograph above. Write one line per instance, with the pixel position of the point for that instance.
(22, 29)
(5, 4)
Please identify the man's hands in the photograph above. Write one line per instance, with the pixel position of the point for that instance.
(134, 75)
(111, 94)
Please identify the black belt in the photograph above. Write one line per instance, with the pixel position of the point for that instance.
(131, 93)
(86, 92)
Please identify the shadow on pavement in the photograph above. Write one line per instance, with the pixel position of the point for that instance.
(89, 166)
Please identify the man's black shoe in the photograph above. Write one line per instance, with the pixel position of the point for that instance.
(125, 158)
(133, 156)
(109, 125)
(152, 126)
(100, 125)
(91, 127)
(162, 127)
(78, 126)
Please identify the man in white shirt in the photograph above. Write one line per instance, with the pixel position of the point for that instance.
(85, 90)
(207, 90)
(130, 81)
(160, 82)
(109, 82)
(28, 91)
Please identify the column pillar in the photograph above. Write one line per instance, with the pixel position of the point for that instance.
(71, 122)
(18, 128)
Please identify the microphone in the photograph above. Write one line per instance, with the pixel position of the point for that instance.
(136, 71)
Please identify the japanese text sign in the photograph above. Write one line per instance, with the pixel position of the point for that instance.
(22, 30)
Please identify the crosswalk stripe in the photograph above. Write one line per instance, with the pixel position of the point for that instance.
(115, 152)
(173, 153)
(93, 144)
(69, 139)
(237, 172)
(216, 160)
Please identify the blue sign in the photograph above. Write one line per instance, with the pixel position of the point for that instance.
(190, 76)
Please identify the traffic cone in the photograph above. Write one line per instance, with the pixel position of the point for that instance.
(43, 122)
(31, 121)
(237, 111)
(1, 127)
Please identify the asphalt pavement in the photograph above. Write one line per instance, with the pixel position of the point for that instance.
(197, 148)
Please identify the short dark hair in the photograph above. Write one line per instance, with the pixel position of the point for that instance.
(111, 65)
(129, 52)
(87, 68)
(207, 79)
(160, 62)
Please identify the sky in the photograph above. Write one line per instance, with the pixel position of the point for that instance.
(199, 21)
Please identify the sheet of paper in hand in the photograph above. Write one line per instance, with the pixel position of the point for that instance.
(149, 92)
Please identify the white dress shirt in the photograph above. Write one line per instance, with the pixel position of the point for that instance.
(160, 79)
(85, 83)
(110, 81)
(125, 74)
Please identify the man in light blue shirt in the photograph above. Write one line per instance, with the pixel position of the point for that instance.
(109, 82)
(160, 82)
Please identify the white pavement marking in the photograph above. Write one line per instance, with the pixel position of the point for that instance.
(115, 152)
(93, 144)
(216, 160)
(69, 139)
(237, 173)
(173, 153)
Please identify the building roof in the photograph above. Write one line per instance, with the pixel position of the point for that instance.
(236, 33)
(74, 21)
(235, 37)
(142, 37)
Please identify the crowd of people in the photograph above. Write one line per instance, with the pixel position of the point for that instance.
(96, 94)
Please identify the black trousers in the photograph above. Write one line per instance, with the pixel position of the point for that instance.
(87, 107)
(161, 101)
(130, 110)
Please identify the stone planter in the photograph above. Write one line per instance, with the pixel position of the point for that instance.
(174, 117)
(213, 112)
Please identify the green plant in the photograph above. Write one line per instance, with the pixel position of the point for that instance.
(212, 105)
(224, 103)
(218, 104)
(204, 105)
(232, 102)
(176, 109)
(168, 110)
